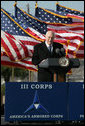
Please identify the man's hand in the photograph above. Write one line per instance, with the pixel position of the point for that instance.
(43, 60)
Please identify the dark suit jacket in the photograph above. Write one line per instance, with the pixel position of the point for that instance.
(41, 52)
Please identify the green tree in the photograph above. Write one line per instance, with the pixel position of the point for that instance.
(3, 89)
(22, 73)
(6, 72)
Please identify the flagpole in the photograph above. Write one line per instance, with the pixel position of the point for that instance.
(36, 4)
(29, 76)
(12, 74)
(29, 70)
(15, 16)
(28, 10)
(56, 4)
(15, 4)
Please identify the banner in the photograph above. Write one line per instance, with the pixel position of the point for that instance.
(44, 101)
(76, 101)
(36, 101)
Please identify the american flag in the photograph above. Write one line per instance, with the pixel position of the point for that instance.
(39, 25)
(51, 16)
(74, 14)
(26, 63)
(30, 21)
(59, 36)
(64, 30)
(19, 25)
(77, 16)
(13, 29)
(14, 48)
(34, 23)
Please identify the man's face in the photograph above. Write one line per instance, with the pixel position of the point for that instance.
(49, 38)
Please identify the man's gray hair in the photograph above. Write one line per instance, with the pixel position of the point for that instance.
(50, 32)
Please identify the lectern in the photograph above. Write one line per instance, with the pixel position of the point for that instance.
(60, 66)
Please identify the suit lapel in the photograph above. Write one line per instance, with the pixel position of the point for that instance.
(53, 47)
(46, 51)
(45, 48)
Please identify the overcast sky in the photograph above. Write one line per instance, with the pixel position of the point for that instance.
(8, 5)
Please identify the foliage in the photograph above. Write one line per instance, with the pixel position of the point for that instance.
(22, 73)
(3, 89)
(6, 72)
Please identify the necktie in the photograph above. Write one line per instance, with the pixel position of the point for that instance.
(50, 48)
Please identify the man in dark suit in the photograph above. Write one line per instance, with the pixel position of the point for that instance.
(43, 51)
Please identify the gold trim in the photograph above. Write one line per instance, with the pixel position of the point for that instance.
(74, 24)
(54, 13)
(4, 50)
(46, 22)
(77, 48)
(70, 72)
(69, 8)
(18, 67)
(36, 5)
(76, 18)
(31, 16)
(15, 60)
(57, 2)
(67, 47)
(15, 4)
(22, 28)
(73, 10)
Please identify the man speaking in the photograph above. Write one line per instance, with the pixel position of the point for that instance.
(44, 50)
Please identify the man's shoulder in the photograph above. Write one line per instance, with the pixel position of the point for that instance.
(57, 44)
(39, 45)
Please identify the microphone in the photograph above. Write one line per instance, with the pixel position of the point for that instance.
(57, 51)
(60, 52)
(63, 52)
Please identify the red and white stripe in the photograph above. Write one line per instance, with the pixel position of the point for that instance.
(13, 47)
(75, 35)
(35, 33)
(26, 64)
(64, 32)
(75, 18)
(80, 51)
(30, 42)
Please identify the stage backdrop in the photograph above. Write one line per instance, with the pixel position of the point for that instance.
(33, 101)
(36, 101)
(76, 101)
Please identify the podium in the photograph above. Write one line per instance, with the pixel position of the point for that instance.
(60, 66)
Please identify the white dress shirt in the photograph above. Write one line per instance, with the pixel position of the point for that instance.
(48, 46)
